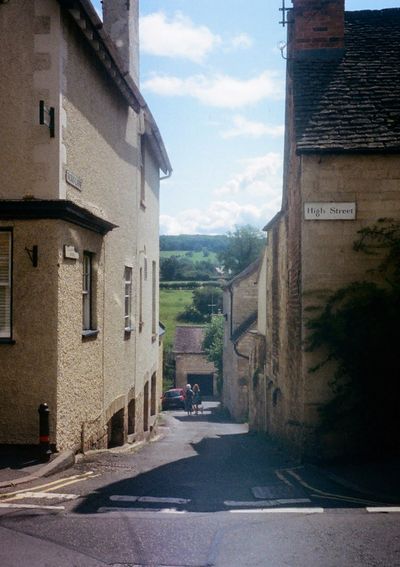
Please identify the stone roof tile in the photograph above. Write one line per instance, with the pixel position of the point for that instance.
(352, 104)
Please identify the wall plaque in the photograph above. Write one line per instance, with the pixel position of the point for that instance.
(329, 211)
(73, 180)
(70, 252)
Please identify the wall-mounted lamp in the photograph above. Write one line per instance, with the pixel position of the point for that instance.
(32, 253)
(46, 117)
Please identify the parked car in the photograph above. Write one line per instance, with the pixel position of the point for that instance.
(173, 398)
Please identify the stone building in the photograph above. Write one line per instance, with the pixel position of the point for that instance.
(192, 366)
(342, 158)
(240, 311)
(79, 204)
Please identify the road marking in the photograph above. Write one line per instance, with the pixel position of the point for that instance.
(383, 509)
(108, 509)
(148, 499)
(35, 506)
(327, 494)
(283, 479)
(54, 484)
(263, 503)
(279, 511)
(47, 495)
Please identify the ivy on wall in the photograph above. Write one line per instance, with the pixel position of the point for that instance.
(359, 329)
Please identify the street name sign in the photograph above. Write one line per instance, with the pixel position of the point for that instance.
(329, 211)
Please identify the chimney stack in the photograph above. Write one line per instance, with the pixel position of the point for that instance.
(121, 22)
(317, 29)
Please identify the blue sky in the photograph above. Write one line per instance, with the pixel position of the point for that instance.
(213, 76)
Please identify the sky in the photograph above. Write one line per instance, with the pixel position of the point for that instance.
(213, 76)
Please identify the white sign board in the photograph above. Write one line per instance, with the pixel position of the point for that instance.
(70, 252)
(73, 180)
(329, 211)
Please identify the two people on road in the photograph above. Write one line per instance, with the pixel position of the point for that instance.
(192, 399)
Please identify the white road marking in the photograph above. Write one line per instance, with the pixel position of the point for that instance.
(108, 509)
(48, 495)
(279, 511)
(383, 509)
(148, 499)
(264, 503)
(35, 506)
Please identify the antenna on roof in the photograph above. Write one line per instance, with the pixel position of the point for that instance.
(284, 20)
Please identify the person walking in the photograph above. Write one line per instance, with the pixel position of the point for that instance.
(189, 399)
(196, 398)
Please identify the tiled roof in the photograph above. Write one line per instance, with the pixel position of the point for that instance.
(352, 104)
(189, 340)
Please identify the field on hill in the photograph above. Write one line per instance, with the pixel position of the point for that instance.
(172, 302)
(192, 256)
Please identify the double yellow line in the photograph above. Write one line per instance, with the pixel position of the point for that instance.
(321, 493)
(49, 486)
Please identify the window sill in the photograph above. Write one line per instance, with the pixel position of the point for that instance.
(90, 333)
(4, 341)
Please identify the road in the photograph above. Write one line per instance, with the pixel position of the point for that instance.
(205, 493)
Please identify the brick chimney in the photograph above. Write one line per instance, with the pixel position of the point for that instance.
(317, 29)
(121, 22)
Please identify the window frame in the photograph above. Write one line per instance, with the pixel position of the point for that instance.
(128, 293)
(8, 338)
(88, 327)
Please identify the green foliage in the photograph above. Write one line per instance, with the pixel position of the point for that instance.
(359, 330)
(213, 345)
(172, 302)
(206, 300)
(244, 247)
(194, 242)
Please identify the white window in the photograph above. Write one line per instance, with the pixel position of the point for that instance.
(128, 299)
(141, 322)
(142, 172)
(154, 299)
(5, 284)
(87, 291)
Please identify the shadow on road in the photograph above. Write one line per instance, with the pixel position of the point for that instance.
(224, 471)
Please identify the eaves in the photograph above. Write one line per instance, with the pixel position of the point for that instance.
(91, 26)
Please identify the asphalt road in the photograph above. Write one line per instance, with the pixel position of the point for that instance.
(205, 493)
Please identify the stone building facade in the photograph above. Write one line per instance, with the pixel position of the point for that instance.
(79, 205)
(342, 157)
(191, 364)
(240, 311)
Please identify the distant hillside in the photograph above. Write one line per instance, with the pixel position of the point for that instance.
(193, 242)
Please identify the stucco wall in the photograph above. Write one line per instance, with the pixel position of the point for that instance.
(28, 368)
(29, 161)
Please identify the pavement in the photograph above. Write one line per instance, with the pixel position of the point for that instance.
(21, 463)
(380, 479)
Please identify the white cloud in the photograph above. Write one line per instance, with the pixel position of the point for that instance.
(261, 177)
(244, 127)
(241, 41)
(219, 218)
(177, 37)
(220, 90)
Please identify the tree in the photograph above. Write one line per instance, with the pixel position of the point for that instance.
(213, 345)
(169, 268)
(205, 302)
(244, 247)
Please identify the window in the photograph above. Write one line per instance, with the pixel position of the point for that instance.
(87, 291)
(5, 283)
(128, 299)
(154, 300)
(142, 172)
(141, 322)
